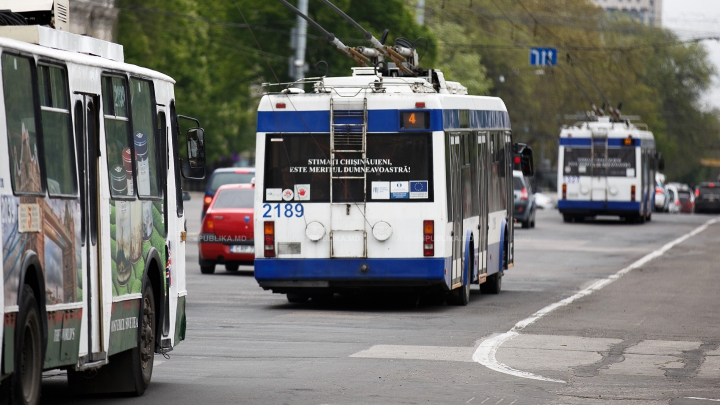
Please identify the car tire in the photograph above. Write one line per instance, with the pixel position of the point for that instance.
(207, 269)
(232, 266)
(525, 224)
(532, 224)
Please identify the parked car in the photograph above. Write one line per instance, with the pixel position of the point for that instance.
(673, 199)
(227, 229)
(226, 175)
(524, 200)
(707, 197)
(661, 197)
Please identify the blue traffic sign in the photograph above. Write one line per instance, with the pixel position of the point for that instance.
(543, 56)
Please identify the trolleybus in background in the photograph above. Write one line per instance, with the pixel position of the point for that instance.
(607, 167)
(383, 179)
(92, 224)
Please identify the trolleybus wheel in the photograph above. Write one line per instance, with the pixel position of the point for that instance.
(144, 355)
(567, 218)
(26, 379)
(231, 267)
(207, 269)
(493, 284)
(297, 298)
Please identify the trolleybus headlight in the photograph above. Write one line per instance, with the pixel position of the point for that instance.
(315, 231)
(382, 231)
(269, 241)
(428, 238)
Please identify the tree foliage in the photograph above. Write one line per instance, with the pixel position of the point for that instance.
(220, 52)
(648, 69)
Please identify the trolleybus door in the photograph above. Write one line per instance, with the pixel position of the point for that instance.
(483, 200)
(509, 198)
(599, 157)
(455, 199)
(87, 143)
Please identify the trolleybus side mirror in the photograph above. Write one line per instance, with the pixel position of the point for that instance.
(526, 158)
(193, 153)
(196, 147)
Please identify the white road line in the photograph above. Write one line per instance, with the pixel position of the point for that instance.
(704, 399)
(485, 353)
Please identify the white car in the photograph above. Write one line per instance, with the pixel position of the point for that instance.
(544, 202)
(673, 200)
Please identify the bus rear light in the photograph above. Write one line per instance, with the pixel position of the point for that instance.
(428, 238)
(632, 193)
(524, 194)
(564, 192)
(420, 104)
(280, 105)
(269, 240)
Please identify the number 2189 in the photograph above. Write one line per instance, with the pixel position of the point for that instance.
(279, 210)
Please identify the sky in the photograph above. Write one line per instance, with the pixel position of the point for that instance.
(694, 18)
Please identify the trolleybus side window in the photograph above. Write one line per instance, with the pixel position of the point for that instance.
(120, 159)
(21, 125)
(147, 173)
(175, 132)
(56, 130)
(163, 134)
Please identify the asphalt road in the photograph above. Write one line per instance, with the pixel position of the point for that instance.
(650, 335)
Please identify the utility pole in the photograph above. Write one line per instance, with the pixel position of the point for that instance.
(420, 12)
(300, 43)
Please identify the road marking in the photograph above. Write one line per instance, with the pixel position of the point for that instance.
(442, 353)
(704, 399)
(485, 353)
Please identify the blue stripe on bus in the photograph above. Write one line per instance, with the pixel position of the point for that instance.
(430, 269)
(378, 121)
(588, 141)
(599, 205)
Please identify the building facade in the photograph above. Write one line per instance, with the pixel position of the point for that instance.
(646, 11)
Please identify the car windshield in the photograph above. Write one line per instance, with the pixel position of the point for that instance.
(235, 198)
(708, 190)
(518, 184)
(684, 195)
(220, 179)
(671, 194)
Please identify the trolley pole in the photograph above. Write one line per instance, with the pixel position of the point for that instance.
(301, 31)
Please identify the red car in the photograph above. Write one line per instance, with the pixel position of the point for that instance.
(227, 229)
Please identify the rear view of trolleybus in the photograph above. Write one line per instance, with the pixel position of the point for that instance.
(606, 168)
(390, 178)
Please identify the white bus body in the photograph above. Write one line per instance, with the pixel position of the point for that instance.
(401, 154)
(606, 168)
(84, 251)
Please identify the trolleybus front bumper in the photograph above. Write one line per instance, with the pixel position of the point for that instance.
(283, 274)
(590, 208)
